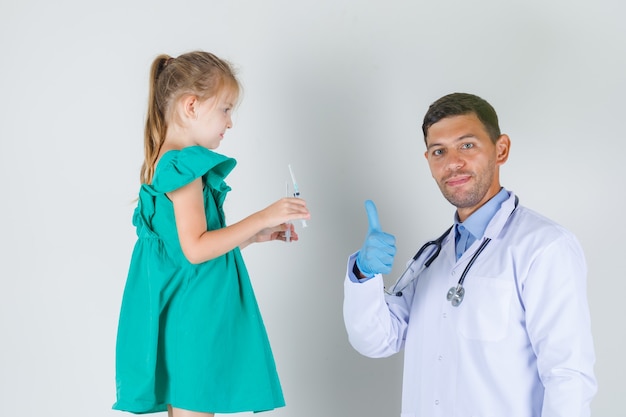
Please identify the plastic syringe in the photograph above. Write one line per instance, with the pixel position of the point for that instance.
(296, 190)
(288, 231)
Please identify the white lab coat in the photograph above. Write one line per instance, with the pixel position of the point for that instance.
(520, 343)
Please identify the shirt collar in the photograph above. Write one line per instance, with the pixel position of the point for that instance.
(478, 221)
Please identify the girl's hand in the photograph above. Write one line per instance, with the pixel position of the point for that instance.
(272, 233)
(277, 219)
(276, 233)
(285, 210)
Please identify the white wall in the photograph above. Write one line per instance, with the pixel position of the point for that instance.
(338, 89)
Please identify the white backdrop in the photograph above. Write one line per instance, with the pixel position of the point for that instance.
(338, 89)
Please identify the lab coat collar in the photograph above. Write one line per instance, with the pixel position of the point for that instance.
(503, 215)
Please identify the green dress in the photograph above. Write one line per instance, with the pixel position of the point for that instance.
(190, 335)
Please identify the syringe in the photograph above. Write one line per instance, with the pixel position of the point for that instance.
(288, 231)
(296, 190)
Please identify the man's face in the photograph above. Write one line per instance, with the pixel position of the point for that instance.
(465, 162)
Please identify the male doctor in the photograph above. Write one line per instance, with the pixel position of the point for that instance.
(498, 323)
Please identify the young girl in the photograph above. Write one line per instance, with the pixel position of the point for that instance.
(191, 339)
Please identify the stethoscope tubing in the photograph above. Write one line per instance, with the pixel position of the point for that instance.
(438, 244)
(457, 292)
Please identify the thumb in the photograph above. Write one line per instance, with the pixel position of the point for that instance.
(372, 216)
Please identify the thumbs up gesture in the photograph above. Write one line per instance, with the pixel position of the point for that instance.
(376, 255)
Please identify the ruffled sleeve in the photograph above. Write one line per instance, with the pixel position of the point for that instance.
(180, 167)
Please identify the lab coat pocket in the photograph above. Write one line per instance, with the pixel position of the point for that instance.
(485, 311)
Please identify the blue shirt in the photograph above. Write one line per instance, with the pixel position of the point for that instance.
(474, 226)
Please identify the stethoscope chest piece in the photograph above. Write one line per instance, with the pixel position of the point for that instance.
(455, 295)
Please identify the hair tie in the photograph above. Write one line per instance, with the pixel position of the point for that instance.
(162, 65)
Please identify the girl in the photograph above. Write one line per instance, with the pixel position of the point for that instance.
(190, 338)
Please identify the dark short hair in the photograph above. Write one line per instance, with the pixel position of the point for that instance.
(457, 104)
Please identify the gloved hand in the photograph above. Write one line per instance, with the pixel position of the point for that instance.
(376, 255)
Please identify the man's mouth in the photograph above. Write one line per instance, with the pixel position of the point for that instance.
(457, 180)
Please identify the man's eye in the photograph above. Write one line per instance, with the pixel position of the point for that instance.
(467, 145)
(437, 152)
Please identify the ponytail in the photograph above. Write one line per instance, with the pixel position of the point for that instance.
(154, 133)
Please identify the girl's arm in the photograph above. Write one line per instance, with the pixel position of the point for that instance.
(200, 245)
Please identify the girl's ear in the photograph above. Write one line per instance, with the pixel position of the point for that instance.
(189, 107)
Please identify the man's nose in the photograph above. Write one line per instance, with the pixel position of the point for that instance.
(454, 161)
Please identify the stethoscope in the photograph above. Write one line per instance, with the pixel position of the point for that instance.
(456, 293)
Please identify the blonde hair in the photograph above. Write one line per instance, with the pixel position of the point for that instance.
(199, 73)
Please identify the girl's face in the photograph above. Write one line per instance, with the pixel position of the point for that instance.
(213, 119)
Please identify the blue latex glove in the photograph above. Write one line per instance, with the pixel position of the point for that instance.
(376, 255)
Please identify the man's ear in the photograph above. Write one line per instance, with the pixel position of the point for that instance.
(503, 146)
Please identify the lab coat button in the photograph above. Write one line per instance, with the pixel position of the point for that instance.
(436, 402)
